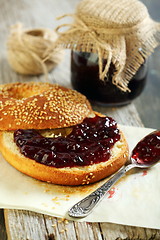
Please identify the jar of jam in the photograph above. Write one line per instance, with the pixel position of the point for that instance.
(122, 33)
(85, 79)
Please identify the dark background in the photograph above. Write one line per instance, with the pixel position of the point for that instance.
(149, 100)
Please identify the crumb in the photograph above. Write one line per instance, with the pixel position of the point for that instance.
(48, 181)
(55, 199)
(46, 190)
(61, 220)
(66, 221)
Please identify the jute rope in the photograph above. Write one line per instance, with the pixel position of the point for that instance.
(26, 50)
(100, 44)
(120, 31)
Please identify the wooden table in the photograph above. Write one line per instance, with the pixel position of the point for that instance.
(26, 225)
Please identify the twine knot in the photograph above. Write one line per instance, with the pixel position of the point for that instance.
(101, 44)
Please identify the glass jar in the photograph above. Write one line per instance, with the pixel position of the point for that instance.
(85, 79)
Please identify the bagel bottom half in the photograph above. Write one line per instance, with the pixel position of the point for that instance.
(67, 175)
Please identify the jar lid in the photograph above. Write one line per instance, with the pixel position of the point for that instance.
(111, 14)
(120, 31)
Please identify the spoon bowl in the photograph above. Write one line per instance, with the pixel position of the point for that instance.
(145, 154)
(142, 165)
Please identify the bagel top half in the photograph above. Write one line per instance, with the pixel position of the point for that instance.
(35, 105)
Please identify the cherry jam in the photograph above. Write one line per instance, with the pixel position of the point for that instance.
(148, 149)
(85, 79)
(88, 143)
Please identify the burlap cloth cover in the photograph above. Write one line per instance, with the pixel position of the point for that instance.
(120, 31)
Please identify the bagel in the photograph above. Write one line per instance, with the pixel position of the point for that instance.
(14, 145)
(67, 175)
(40, 106)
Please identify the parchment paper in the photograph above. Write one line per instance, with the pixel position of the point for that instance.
(134, 200)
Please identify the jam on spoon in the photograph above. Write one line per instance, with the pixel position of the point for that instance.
(148, 149)
(145, 154)
(88, 143)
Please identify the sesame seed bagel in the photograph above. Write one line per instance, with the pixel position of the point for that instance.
(78, 175)
(35, 105)
(48, 108)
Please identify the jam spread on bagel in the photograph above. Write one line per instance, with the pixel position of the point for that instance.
(88, 143)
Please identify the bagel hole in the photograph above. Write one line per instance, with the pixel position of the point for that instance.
(35, 33)
(56, 132)
(23, 93)
(20, 96)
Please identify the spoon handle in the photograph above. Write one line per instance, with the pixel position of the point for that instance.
(86, 205)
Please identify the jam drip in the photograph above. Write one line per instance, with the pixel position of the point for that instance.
(148, 149)
(89, 142)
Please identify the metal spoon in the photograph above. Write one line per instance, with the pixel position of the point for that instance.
(86, 205)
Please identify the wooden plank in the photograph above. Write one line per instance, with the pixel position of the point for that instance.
(126, 115)
(3, 234)
(127, 232)
(25, 225)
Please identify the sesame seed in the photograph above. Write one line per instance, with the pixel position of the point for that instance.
(48, 102)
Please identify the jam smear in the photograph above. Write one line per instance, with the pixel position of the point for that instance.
(148, 149)
(88, 143)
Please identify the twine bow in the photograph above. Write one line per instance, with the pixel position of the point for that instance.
(100, 44)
